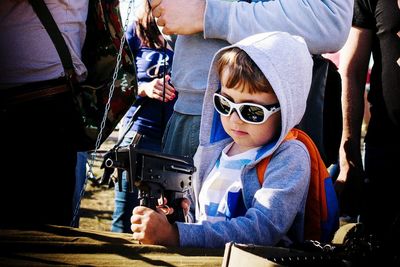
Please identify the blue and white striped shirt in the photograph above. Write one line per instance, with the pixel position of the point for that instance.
(220, 197)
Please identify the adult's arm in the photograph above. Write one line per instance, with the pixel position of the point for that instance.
(323, 24)
(354, 60)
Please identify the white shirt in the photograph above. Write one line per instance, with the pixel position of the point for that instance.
(27, 53)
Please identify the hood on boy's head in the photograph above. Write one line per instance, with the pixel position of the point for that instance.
(286, 63)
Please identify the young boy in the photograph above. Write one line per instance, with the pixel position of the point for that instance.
(257, 92)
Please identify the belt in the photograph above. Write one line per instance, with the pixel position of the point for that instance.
(32, 91)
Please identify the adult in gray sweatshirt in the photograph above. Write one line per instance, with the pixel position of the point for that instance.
(204, 26)
(274, 211)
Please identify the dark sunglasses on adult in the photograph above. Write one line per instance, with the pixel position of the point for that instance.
(248, 112)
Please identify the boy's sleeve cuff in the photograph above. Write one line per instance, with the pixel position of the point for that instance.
(191, 235)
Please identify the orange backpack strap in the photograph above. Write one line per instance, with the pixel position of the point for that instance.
(262, 165)
(316, 204)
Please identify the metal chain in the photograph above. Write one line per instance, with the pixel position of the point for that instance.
(312, 253)
(110, 94)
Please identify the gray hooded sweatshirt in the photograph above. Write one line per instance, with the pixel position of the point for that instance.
(275, 210)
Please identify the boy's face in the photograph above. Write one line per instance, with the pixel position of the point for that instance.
(245, 135)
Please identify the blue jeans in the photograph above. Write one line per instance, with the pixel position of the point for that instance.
(80, 173)
(125, 201)
(181, 135)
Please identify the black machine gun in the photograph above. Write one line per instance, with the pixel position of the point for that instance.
(156, 175)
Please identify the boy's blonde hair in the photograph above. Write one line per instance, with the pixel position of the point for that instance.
(242, 72)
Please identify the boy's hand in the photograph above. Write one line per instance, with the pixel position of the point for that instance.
(179, 16)
(167, 210)
(185, 204)
(152, 227)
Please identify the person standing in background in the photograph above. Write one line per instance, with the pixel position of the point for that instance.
(203, 27)
(372, 190)
(154, 105)
(37, 113)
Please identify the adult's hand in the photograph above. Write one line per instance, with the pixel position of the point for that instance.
(349, 183)
(179, 16)
(155, 88)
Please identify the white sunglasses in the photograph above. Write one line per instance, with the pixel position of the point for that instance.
(248, 112)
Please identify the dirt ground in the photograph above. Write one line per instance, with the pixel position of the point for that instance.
(96, 208)
(97, 204)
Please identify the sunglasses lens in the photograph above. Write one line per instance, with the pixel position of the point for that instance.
(252, 113)
(221, 105)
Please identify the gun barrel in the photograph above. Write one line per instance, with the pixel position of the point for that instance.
(114, 164)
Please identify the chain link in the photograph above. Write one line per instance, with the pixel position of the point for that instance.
(110, 94)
